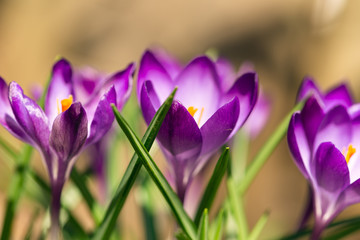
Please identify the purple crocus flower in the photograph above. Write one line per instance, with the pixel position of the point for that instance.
(67, 124)
(203, 115)
(324, 144)
(338, 95)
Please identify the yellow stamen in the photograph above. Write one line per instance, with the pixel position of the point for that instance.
(58, 107)
(349, 153)
(192, 110)
(201, 114)
(65, 104)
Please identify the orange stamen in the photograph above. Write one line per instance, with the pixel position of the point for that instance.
(349, 153)
(192, 111)
(66, 103)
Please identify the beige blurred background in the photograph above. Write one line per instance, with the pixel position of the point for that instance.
(286, 40)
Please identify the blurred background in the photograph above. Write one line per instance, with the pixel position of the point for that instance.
(285, 40)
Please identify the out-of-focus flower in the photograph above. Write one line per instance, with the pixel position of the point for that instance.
(261, 111)
(323, 140)
(338, 95)
(203, 115)
(70, 120)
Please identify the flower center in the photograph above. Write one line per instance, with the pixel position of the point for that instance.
(348, 153)
(65, 104)
(192, 110)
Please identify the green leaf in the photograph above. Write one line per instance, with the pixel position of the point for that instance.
(8, 149)
(259, 160)
(170, 196)
(204, 226)
(181, 236)
(213, 185)
(219, 226)
(133, 169)
(237, 209)
(259, 226)
(16, 188)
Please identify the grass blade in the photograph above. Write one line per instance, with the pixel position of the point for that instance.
(204, 226)
(170, 196)
(236, 206)
(219, 226)
(213, 185)
(255, 233)
(133, 169)
(259, 160)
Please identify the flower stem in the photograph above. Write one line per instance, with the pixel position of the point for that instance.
(55, 206)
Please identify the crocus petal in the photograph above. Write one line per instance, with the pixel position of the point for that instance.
(217, 129)
(246, 67)
(7, 118)
(103, 117)
(246, 89)
(299, 145)
(331, 171)
(340, 94)
(226, 73)
(179, 134)
(69, 132)
(258, 117)
(60, 88)
(122, 82)
(151, 69)
(171, 64)
(350, 195)
(312, 115)
(307, 88)
(335, 128)
(199, 87)
(30, 117)
(86, 82)
(148, 101)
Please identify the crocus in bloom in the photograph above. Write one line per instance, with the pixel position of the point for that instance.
(77, 114)
(325, 145)
(203, 115)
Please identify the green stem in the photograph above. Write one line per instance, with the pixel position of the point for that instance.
(265, 152)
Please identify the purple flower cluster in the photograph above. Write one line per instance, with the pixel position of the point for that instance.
(77, 114)
(210, 106)
(323, 139)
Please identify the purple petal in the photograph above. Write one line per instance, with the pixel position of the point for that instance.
(199, 87)
(7, 118)
(103, 117)
(217, 129)
(122, 82)
(312, 115)
(331, 170)
(226, 73)
(339, 95)
(148, 101)
(246, 67)
(307, 88)
(60, 88)
(171, 64)
(350, 195)
(246, 89)
(151, 69)
(335, 128)
(298, 144)
(69, 132)
(86, 82)
(30, 117)
(179, 134)
(258, 117)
